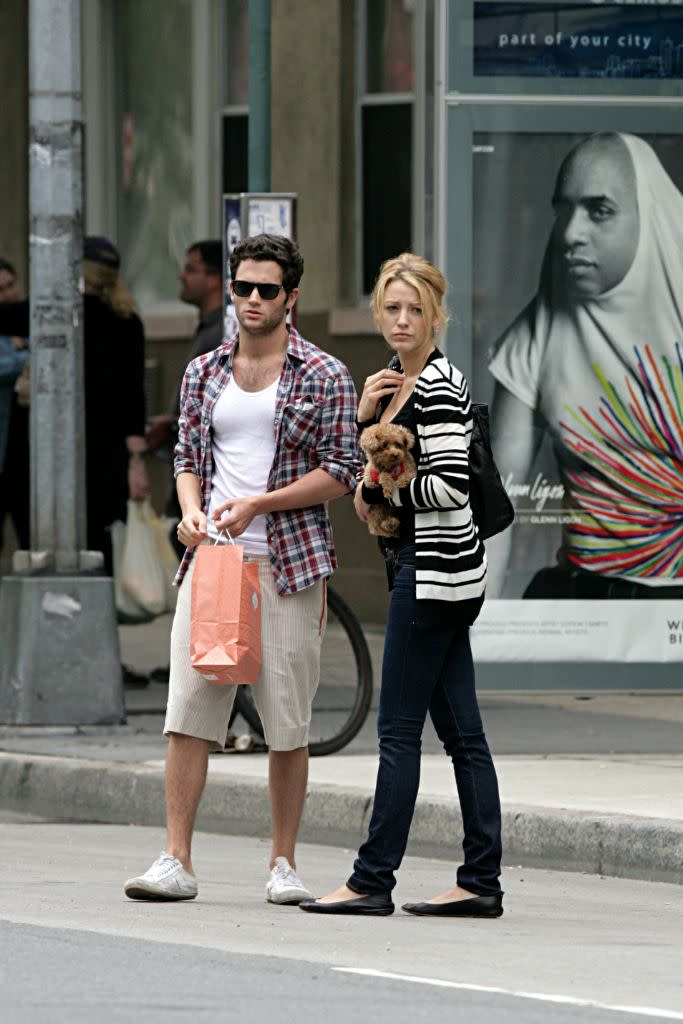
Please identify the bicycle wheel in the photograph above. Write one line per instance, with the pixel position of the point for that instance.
(343, 698)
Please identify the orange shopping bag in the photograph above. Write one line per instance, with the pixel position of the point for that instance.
(225, 623)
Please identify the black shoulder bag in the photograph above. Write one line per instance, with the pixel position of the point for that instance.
(491, 506)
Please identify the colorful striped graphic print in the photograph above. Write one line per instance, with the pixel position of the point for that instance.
(628, 498)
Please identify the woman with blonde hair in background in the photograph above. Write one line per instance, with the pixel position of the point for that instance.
(437, 572)
(114, 344)
(114, 371)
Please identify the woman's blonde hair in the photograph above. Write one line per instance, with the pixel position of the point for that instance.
(108, 286)
(423, 276)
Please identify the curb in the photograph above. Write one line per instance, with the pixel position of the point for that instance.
(70, 789)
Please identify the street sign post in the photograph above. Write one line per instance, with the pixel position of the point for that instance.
(253, 213)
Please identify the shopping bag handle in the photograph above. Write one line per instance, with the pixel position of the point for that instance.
(226, 530)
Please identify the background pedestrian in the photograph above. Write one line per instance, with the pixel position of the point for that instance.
(14, 422)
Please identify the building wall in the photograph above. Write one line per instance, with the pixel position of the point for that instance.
(311, 150)
(361, 577)
(313, 153)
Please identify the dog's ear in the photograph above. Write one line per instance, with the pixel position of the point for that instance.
(408, 438)
(369, 441)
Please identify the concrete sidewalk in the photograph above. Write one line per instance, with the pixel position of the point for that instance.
(607, 813)
(589, 783)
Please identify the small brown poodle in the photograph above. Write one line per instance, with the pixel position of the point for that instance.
(390, 464)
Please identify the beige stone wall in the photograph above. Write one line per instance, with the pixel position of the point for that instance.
(13, 132)
(361, 577)
(311, 148)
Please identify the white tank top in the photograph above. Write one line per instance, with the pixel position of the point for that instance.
(243, 447)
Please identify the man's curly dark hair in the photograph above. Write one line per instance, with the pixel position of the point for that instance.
(277, 248)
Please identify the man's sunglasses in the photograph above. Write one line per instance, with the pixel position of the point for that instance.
(243, 289)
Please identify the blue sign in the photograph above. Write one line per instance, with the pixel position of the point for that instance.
(579, 40)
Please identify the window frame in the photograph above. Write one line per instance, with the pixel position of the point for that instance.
(102, 132)
(225, 108)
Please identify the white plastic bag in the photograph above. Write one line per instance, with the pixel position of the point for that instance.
(167, 555)
(142, 573)
(127, 610)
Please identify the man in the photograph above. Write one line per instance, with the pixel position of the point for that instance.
(267, 436)
(14, 442)
(201, 281)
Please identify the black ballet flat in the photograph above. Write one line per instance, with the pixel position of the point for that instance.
(478, 906)
(374, 905)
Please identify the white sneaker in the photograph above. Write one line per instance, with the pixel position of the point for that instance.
(284, 886)
(167, 879)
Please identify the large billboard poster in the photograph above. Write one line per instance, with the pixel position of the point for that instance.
(578, 346)
(599, 39)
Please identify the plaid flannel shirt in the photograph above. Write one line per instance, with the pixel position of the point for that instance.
(315, 428)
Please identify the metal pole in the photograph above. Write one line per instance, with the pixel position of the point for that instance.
(58, 525)
(259, 95)
(60, 659)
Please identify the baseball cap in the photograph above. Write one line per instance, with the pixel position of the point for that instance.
(100, 250)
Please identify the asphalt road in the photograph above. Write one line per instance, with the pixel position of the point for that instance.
(72, 948)
(86, 978)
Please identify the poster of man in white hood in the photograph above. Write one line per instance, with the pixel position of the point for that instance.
(578, 345)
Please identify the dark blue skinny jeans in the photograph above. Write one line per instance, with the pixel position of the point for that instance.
(428, 670)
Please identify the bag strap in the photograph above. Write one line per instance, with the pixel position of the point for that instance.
(224, 530)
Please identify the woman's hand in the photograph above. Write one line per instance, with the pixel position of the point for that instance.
(192, 528)
(138, 481)
(362, 508)
(386, 382)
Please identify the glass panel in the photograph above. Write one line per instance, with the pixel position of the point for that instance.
(574, 311)
(154, 117)
(237, 52)
(387, 188)
(389, 46)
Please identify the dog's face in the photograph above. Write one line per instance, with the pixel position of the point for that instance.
(386, 444)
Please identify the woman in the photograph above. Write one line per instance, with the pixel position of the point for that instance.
(114, 370)
(114, 345)
(437, 572)
(595, 360)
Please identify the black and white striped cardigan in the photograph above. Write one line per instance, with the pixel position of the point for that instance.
(450, 560)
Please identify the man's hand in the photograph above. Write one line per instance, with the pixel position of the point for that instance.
(241, 512)
(158, 431)
(362, 508)
(192, 528)
(138, 481)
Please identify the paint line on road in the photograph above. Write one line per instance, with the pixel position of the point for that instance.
(644, 1011)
